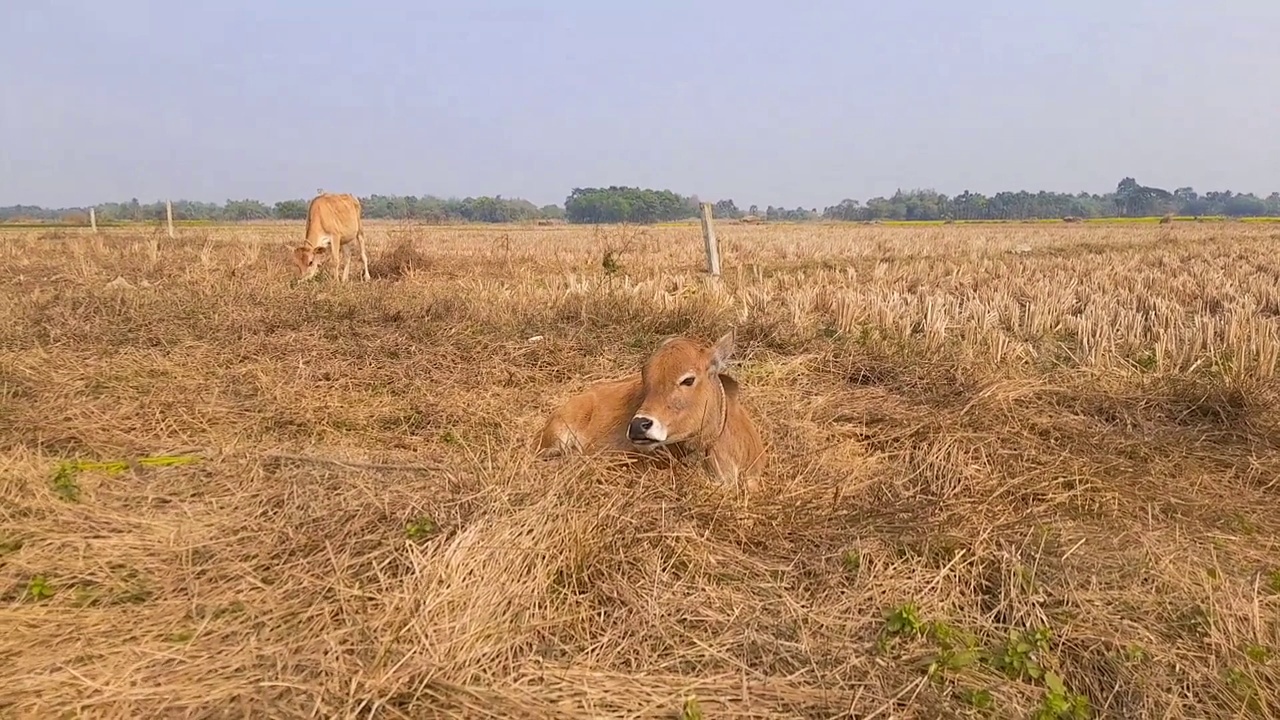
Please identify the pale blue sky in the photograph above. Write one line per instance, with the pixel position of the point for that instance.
(789, 104)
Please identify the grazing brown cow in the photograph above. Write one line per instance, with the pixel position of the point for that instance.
(681, 400)
(333, 219)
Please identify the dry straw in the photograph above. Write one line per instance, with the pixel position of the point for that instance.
(1014, 467)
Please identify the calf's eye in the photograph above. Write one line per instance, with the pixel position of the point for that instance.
(688, 382)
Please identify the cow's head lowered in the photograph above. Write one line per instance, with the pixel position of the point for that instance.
(684, 393)
(307, 259)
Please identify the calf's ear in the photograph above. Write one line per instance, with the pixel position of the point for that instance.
(722, 352)
(729, 384)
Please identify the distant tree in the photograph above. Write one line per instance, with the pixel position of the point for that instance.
(640, 205)
(848, 210)
(497, 210)
(725, 209)
(247, 210)
(616, 204)
(1134, 199)
(290, 210)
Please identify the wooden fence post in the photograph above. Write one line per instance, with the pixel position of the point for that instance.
(709, 238)
(93, 221)
(168, 212)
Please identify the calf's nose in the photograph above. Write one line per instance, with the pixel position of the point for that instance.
(639, 427)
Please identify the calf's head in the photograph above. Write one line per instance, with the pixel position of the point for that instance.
(684, 394)
(306, 259)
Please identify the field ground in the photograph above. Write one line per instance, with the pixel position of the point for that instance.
(1014, 468)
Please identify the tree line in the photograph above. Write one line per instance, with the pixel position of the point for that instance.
(618, 204)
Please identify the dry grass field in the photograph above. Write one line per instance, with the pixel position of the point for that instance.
(1017, 471)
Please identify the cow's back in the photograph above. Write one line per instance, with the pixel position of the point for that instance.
(333, 214)
(595, 418)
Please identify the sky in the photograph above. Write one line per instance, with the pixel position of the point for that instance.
(768, 103)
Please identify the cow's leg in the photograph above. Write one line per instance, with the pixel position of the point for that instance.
(558, 439)
(364, 257)
(346, 263)
(335, 255)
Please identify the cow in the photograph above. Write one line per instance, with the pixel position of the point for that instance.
(333, 219)
(681, 400)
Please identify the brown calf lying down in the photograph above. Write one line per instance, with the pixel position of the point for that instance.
(680, 400)
(333, 219)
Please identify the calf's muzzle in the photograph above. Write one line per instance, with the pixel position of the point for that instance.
(640, 429)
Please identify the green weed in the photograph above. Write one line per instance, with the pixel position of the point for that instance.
(39, 589)
(420, 528)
